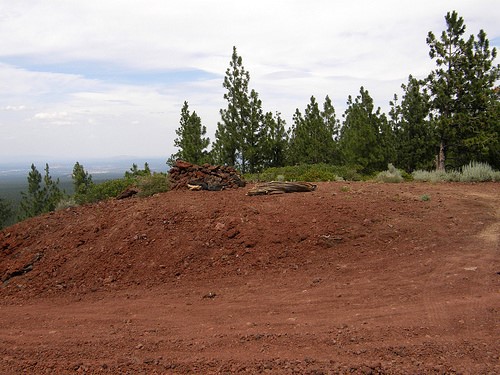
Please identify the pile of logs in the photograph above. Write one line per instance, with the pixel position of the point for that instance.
(184, 175)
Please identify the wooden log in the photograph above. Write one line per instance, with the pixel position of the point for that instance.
(278, 187)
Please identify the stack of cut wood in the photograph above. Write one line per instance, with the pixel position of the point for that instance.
(277, 187)
(184, 175)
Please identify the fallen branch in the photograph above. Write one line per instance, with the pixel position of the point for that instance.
(277, 187)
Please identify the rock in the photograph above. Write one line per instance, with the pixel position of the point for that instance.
(127, 193)
(184, 175)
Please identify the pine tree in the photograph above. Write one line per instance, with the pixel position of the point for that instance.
(252, 147)
(38, 199)
(275, 140)
(32, 201)
(462, 94)
(332, 131)
(191, 140)
(414, 135)
(52, 193)
(313, 135)
(365, 138)
(229, 134)
(82, 183)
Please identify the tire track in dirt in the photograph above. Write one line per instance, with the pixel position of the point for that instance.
(492, 232)
(463, 266)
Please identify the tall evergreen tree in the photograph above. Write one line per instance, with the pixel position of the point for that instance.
(32, 201)
(462, 94)
(51, 191)
(414, 135)
(38, 199)
(365, 135)
(191, 140)
(332, 131)
(312, 136)
(82, 182)
(229, 136)
(252, 147)
(276, 140)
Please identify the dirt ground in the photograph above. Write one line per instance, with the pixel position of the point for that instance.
(360, 278)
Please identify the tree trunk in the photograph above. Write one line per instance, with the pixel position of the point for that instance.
(440, 163)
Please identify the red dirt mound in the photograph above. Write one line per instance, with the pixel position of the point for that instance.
(351, 278)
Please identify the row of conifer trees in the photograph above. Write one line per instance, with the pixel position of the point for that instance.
(446, 120)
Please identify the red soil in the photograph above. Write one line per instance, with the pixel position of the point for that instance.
(358, 278)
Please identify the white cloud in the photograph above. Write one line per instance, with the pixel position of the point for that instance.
(61, 61)
(51, 116)
(13, 108)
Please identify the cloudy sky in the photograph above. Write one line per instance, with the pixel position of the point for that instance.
(104, 78)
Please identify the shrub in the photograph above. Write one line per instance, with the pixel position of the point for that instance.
(107, 189)
(66, 202)
(472, 172)
(435, 176)
(307, 172)
(152, 184)
(392, 174)
(425, 198)
(477, 172)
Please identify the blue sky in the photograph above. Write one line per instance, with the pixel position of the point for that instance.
(82, 79)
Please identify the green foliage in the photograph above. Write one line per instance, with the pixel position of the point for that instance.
(136, 172)
(275, 145)
(191, 140)
(425, 198)
(463, 95)
(107, 189)
(415, 140)
(5, 212)
(229, 138)
(144, 180)
(246, 138)
(82, 182)
(366, 137)
(313, 137)
(392, 174)
(306, 172)
(446, 120)
(152, 184)
(38, 199)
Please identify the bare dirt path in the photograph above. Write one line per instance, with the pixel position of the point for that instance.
(352, 278)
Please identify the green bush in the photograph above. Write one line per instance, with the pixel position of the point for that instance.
(152, 184)
(307, 172)
(107, 189)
